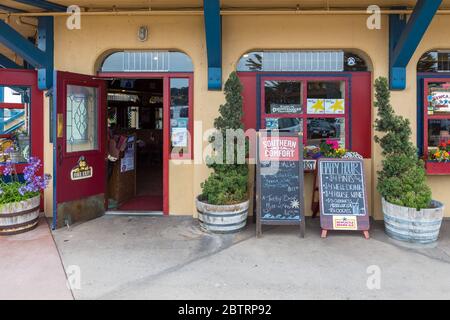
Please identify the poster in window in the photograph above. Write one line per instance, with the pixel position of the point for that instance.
(127, 162)
(334, 106)
(439, 100)
(179, 137)
(271, 123)
(315, 106)
(285, 108)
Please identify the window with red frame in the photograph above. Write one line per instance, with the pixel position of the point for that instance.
(180, 118)
(317, 107)
(15, 123)
(437, 125)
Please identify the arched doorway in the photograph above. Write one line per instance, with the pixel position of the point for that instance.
(150, 101)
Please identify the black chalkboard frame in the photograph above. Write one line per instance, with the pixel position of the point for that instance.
(326, 221)
(259, 220)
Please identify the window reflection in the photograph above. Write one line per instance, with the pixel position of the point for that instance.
(438, 131)
(283, 97)
(321, 129)
(287, 124)
(15, 124)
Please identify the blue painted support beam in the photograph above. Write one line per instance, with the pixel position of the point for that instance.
(20, 45)
(45, 44)
(40, 57)
(405, 37)
(6, 63)
(213, 31)
(10, 9)
(46, 5)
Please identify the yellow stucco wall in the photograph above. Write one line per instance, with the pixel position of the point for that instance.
(79, 51)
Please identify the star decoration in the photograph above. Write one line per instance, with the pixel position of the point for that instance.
(318, 106)
(337, 106)
(295, 204)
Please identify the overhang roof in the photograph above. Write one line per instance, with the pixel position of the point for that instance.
(107, 5)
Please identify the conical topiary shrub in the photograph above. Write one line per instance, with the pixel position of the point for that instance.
(402, 178)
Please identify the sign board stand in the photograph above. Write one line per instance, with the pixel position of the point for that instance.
(343, 196)
(279, 180)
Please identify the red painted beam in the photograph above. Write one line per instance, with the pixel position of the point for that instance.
(6, 105)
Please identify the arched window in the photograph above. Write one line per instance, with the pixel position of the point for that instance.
(301, 61)
(434, 61)
(147, 61)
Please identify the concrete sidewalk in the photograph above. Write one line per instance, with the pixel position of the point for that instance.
(170, 258)
(31, 267)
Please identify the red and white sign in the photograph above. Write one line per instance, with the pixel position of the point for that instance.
(279, 149)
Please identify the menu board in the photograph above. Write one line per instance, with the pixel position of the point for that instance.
(343, 197)
(280, 179)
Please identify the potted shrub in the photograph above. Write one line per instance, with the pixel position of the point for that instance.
(20, 197)
(223, 204)
(410, 214)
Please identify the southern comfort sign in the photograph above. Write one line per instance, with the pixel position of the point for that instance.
(279, 180)
(343, 197)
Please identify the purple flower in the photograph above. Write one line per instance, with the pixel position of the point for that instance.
(9, 168)
(9, 150)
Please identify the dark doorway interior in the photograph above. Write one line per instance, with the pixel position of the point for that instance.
(135, 132)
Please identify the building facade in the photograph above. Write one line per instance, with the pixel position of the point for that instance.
(284, 60)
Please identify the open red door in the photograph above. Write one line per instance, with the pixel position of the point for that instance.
(79, 154)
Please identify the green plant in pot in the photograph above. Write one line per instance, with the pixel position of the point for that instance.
(223, 204)
(20, 195)
(410, 214)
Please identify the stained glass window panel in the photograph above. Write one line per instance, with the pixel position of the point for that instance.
(81, 118)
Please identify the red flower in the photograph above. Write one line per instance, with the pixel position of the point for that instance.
(443, 144)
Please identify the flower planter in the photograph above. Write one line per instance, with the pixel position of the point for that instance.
(411, 225)
(437, 168)
(19, 217)
(222, 218)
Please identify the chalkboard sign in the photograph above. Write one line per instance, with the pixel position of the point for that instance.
(343, 196)
(280, 179)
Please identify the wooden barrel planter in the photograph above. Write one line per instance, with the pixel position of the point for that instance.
(19, 217)
(222, 218)
(411, 225)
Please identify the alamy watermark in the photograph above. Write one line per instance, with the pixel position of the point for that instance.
(73, 273)
(73, 22)
(374, 279)
(374, 20)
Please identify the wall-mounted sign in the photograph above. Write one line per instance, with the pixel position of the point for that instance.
(285, 108)
(279, 179)
(82, 170)
(343, 196)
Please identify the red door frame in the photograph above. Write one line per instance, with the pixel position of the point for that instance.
(165, 76)
(28, 78)
(304, 115)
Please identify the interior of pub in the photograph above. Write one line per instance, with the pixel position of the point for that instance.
(135, 144)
